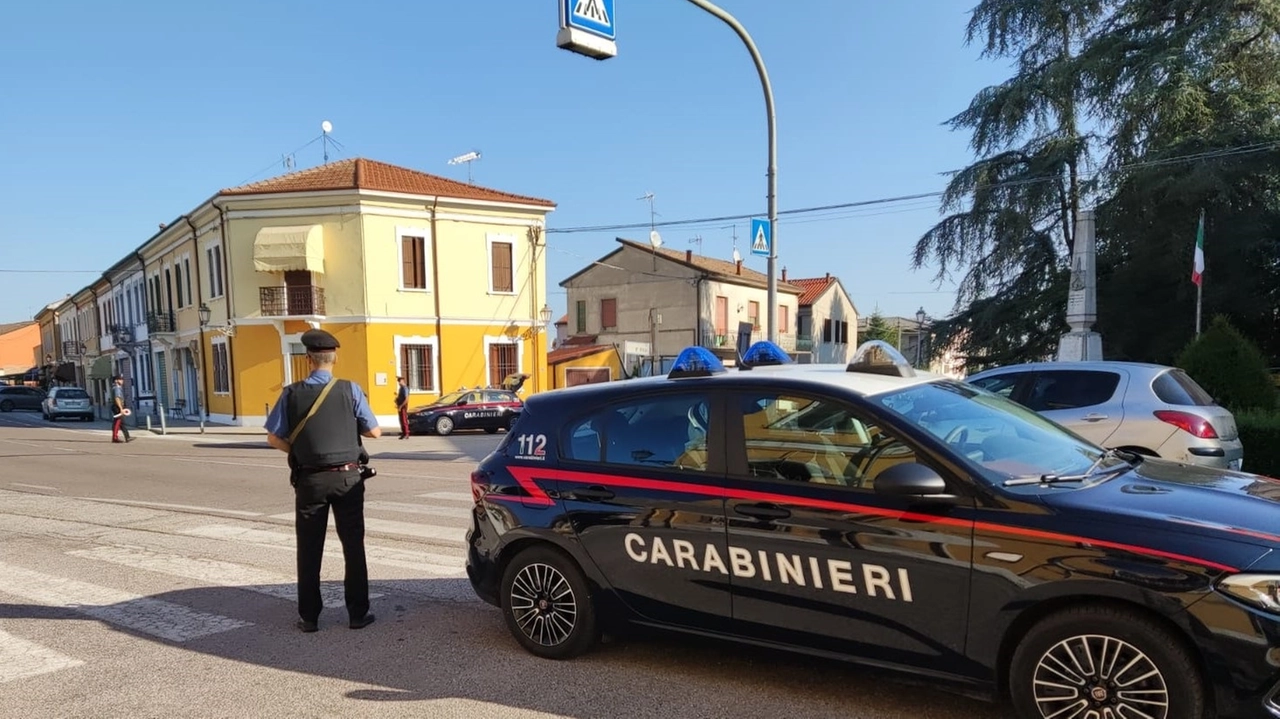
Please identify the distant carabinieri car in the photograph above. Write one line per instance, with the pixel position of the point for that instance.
(890, 517)
(487, 409)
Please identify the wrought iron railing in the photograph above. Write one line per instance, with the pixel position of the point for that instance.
(160, 322)
(287, 301)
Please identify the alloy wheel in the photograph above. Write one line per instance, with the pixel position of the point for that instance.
(1099, 677)
(543, 604)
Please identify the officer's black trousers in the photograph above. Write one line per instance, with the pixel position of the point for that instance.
(314, 494)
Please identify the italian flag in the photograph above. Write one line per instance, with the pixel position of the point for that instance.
(1197, 269)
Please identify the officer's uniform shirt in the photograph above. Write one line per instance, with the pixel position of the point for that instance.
(278, 421)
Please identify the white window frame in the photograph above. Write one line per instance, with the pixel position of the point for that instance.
(427, 269)
(220, 342)
(185, 260)
(216, 279)
(167, 274)
(489, 341)
(399, 341)
(491, 240)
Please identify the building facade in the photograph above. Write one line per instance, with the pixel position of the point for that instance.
(827, 322)
(665, 300)
(416, 275)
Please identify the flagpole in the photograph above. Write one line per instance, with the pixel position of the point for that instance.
(1199, 298)
(1197, 271)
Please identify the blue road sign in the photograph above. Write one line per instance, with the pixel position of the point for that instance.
(761, 238)
(593, 16)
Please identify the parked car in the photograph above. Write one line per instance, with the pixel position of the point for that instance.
(16, 397)
(67, 402)
(1150, 409)
(487, 409)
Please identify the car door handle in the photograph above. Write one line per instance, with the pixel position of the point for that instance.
(763, 511)
(594, 493)
(1095, 417)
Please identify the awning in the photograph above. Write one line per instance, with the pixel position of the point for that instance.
(281, 249)
(101, 368)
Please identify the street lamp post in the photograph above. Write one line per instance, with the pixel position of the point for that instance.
(545, 314)
(920, 318)
(204, 313)
(772, 173)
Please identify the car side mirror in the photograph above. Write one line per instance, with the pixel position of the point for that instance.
(911, 479)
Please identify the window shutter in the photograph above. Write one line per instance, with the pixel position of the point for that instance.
(826, 330)
(502, 271)
(408, 277)
(608, 313)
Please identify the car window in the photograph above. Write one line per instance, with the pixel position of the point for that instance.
(1071, 389)
(1002, 384)
(475, 398)
(499, 397)
(72, 393)
(668, 431)
(1177, 387)
(998, 438)
(816, 441)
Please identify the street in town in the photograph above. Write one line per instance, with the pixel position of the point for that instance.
(155, 578)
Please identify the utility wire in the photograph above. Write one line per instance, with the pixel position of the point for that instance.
(1206, 155)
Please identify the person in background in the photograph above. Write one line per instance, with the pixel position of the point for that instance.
(318, 422)
(119, 411)
(402, 406)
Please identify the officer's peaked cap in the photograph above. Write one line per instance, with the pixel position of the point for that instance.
(319, 341)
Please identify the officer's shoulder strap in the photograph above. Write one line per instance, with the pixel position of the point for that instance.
(314, 406)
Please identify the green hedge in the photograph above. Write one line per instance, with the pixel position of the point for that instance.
(1260, 434)
(1230, 368)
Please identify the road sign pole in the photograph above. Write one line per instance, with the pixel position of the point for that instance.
(732, 22)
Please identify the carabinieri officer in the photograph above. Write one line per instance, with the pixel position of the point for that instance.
(318, 422)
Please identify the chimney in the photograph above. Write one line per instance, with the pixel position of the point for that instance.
(784, 274)
(739, 264)
(688, 255)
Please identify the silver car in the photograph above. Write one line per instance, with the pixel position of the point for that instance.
(67, 402)
(1146, 408)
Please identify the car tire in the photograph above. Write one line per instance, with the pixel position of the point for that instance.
(444, 426)
(1134, 642)
(6, 406)
(490, 430)
(548, 605)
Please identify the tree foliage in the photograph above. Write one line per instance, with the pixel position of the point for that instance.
(1182, 102)
(1229, 367)
(879, 329)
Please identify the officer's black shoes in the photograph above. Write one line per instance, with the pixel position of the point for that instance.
(362, 622)
(308, 627)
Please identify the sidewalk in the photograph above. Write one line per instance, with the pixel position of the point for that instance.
(192, 426)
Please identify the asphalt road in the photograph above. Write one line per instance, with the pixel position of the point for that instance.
(155, 579)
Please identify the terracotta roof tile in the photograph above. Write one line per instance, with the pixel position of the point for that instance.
(15, 326)
(813, 287)
(581, 340)
(564, 354)
(363, 174)
(721, 268)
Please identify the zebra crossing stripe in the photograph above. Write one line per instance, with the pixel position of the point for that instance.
(455, 535)
(20, 659)
(156, 617)
(211, 571)
(426, 562)
(450, 496)
(410, 508)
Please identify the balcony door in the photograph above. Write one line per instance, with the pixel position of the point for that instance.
(298, 295)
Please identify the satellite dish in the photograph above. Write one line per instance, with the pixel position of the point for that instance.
(655, 239)
(737, 256)
(326, 126)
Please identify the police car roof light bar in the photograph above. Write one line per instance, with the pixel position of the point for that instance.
(880, 357)
(765, 353)
(695, 362)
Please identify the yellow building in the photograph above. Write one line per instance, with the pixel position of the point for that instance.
(573, 365)
(416, 275)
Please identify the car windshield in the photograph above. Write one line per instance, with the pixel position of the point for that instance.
(998, 438)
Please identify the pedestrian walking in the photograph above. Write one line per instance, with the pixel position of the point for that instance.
(119, 411)
(318, 422)
(402, 406)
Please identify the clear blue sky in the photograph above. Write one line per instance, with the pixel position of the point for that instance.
(115, 117)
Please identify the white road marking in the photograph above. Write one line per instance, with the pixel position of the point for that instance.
(20, 659)
(410, 508)
(144, 614)
(161, 505)
(210, 571)
(426, 562)
(409, 529)
(451, 496)
(35, 486)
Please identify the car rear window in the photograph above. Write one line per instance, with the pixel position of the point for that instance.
(72, 394)
(1177, 387)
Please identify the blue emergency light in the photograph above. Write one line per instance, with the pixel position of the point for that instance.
(765, 353)
(695, 362)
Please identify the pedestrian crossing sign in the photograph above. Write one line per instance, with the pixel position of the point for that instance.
(761, 238)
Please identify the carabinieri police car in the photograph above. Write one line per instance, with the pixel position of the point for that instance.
(871, 513)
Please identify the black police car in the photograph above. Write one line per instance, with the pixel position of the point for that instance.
(487, 409)
(900, 520)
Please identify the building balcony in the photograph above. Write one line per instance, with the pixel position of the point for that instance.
(291, 301)
(804, 343)
(786, 340)
(161, 323)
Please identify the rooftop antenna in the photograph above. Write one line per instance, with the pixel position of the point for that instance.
(737, 256)
(655, 239)
(697, 240)
(466, 159)
(326, 127)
